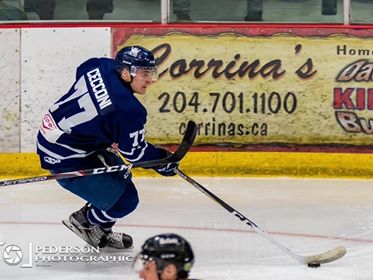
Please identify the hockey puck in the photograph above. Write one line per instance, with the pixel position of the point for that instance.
(313, 265)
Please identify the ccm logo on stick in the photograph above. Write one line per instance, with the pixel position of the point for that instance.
(114, 168)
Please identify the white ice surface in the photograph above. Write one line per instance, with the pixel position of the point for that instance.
(306, 215)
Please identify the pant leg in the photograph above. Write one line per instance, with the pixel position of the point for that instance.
(102, 190)
(125, 205)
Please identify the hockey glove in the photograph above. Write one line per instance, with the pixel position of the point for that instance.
(167, 169)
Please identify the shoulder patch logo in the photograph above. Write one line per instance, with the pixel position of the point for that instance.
(48, 123)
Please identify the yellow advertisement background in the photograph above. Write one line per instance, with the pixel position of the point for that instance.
(313, 122)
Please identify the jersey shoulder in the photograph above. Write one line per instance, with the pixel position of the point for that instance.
(109, 90)
(106, 66)
(129, 106)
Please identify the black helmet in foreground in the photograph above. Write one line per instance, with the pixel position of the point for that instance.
(169, 248)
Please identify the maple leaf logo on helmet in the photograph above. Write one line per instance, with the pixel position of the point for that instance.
(134, 51)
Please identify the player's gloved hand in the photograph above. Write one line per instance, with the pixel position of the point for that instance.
(167, 169)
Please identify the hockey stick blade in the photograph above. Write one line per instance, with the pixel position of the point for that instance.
(178, 155)
(325, 257)
(314, 260)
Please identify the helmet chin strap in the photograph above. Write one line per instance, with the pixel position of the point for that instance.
(132, 74)
(122, 75)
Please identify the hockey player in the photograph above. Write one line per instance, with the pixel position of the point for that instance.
(100, 110)
(165, 257)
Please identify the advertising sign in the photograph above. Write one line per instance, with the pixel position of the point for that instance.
(246, 86)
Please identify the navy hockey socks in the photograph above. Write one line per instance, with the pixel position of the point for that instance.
(100, 217)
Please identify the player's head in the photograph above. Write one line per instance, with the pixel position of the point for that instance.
(172, 255)
(137, 66)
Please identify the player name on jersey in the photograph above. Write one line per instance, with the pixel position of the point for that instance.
(99, 89)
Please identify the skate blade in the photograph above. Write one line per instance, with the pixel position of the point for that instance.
(70, 226)
(81, 234)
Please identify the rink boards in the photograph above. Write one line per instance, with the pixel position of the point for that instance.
(267, 164)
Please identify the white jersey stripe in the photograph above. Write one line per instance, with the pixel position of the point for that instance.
(141, 154)
(57, 156)
(64, 145)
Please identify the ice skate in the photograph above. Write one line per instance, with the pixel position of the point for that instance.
(119, 240)
(92, 234)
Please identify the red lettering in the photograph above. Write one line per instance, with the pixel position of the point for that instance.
(343, 98)
(370, 99)
(361, 100)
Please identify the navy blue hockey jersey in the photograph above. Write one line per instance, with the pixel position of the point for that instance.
(98, 110)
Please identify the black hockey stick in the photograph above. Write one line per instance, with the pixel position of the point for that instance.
(312, 261)
(178, 155)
